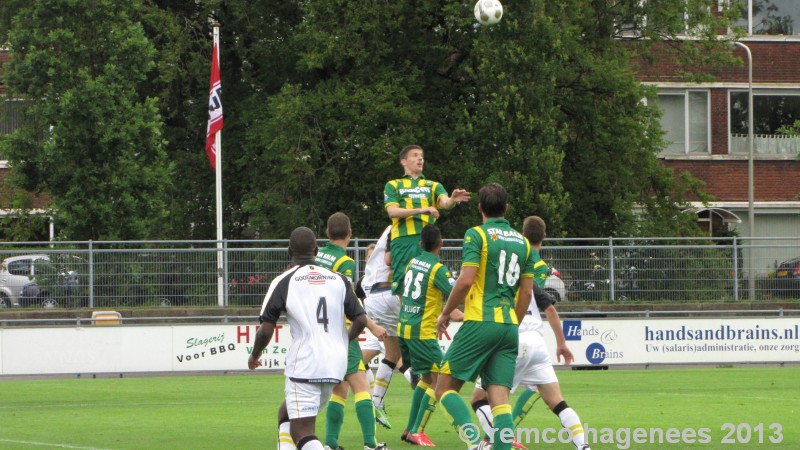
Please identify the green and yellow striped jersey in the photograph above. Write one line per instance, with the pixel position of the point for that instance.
(427, 285)
(540, 269)
(334, 258)
(502, 256)
(409, 193)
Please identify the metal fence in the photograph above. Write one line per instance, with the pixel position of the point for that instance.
(185, 273)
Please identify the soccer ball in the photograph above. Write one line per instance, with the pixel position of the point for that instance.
(488, 12)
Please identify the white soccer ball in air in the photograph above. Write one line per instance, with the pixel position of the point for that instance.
(488, 12)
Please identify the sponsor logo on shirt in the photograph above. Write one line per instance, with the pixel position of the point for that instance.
(315, 278)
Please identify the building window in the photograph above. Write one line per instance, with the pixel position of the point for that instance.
(772, 114)
(771, 17)
(10, 116)
(685, 121)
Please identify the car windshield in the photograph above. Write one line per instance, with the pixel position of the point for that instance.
(44, 267)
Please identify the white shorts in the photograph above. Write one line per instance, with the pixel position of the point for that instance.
(384, 309)
(372, 343)
(534, 366)
(306, 399)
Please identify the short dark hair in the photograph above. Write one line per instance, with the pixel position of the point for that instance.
(534, 229)
(407, 149)
(302, 243)
(338, 226)
(430, 237)
(493, 200)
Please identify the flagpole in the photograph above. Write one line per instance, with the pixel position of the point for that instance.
(218, 175)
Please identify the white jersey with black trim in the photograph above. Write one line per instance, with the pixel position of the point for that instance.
(533, 319)
(376, 270)
(316, 302)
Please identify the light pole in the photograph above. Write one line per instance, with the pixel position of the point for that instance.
(750, 207)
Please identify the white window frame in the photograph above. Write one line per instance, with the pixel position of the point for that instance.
(686, 122)
(756, 93)
(725, 3)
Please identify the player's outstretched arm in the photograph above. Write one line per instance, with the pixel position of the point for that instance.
(458, 196)
(376, 330)
(561, 341)
(357, 326)
(263, 336)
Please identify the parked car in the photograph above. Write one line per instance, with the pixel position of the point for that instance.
(787, 278)
(33, 280)
(555, 286)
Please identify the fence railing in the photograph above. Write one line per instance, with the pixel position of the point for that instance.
(185, 273)
(766, 144)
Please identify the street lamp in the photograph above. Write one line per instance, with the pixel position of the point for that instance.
(750, 207)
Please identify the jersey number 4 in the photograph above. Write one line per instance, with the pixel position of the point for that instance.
(322, 313)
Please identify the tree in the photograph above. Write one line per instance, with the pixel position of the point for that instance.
(90, 140)
(546, 103)
(320, 97)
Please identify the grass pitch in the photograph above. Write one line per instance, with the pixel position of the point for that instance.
(737, 406)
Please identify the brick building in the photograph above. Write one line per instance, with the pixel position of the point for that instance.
(707, 125)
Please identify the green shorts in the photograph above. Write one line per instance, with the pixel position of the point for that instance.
(424, 355)
(354, 362)
(402, 249)
(488, 349)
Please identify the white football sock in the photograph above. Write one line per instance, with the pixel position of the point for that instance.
(285, 441)
(407, 375)
(370, 380)
(570, 420)
(382, 380)
(486, 419)
(313, 445)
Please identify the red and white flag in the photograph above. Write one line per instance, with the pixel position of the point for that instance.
(214, 110)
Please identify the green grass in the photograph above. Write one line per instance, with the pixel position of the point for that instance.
(239, 411)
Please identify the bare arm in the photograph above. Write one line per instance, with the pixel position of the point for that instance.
(263, 336)
(458, 196)
(457, 296)
(377, 330)
(524, 297)
(561, 342)
(396, 212)
(357, 326)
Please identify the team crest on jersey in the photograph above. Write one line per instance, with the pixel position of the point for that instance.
(493, 236)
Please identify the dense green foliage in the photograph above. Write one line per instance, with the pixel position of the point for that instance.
(320, 96)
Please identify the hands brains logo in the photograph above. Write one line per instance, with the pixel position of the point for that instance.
(596, 353)
(609, 337)
(574, 331)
